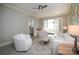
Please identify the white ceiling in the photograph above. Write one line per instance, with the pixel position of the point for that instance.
(53, 9)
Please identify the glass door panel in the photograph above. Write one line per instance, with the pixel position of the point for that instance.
(53, 26)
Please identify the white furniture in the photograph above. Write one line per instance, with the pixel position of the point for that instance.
(64, 37)
(43, 36)
(22, 42)
(61, 38)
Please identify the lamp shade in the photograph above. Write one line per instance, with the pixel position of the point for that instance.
(73, 30)
(65, 27)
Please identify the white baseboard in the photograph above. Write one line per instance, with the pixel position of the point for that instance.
(5, 43)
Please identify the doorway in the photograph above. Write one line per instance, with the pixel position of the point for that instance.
(31, 27)
(53, 26)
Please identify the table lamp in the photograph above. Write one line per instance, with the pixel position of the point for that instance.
(65, 29)
(74, 31)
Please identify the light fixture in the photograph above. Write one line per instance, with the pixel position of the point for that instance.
(74, 31)
(65, 29)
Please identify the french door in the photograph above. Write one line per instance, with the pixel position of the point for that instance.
(53, 26)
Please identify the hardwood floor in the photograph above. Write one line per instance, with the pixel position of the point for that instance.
(37, 49)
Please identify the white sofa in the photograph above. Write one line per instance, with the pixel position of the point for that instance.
(61, 38)
(64, 37)
(22, 42)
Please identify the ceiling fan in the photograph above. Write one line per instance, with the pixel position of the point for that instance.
(40, 7)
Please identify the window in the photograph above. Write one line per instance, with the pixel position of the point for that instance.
(52, 25)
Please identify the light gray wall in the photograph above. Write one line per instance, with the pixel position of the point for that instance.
(0, 25)
(11, 23)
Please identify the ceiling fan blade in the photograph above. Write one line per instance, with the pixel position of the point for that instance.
(44, 6)
(40, 7)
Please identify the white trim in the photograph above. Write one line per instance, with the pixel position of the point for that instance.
(5, 43)
(19, 10)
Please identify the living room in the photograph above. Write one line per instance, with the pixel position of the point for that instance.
(46, 25)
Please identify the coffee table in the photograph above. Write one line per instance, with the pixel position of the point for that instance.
(65, 49)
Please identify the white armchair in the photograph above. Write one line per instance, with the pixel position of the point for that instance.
(44, 36)
(22, 42)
